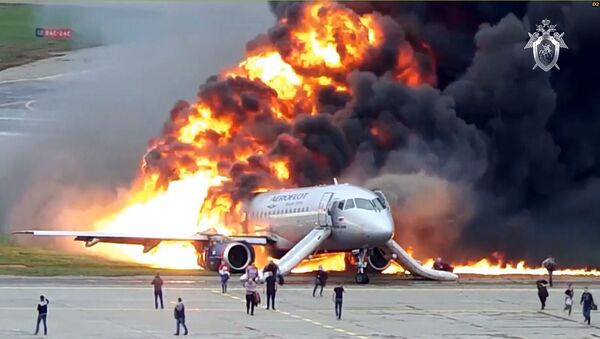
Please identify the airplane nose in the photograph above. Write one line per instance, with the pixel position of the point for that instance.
(382, 229)
(385, 229)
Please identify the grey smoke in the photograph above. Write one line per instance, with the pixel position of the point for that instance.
(153, 54)
(429, 212)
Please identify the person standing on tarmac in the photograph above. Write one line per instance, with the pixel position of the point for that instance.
(587, 300)
(158, 295)
(224, 274)
(42, 309)
(271, 289)
(569, 294)
(179, 313)
(542, 292)
(250, 287)
(320, 280)
(338, 298)
(550, 265)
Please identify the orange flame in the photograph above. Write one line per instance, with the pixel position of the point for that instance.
(329, 262)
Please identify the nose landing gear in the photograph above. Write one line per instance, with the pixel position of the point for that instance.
(360, 256)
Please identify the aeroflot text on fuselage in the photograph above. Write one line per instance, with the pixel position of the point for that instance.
(289, 197)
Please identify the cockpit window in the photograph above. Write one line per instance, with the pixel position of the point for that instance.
(341, 205)
(378, 204)
(381, 198)
(364, 204)
(349, 204)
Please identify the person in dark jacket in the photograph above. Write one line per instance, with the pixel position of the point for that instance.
(338, 298)
(542, 292)
(587, 300)
(271, 267)
(179, 313)
(569, 294)
(271, 289)
(42, 309)
(440, 265)
(158, 295)
(320, 280)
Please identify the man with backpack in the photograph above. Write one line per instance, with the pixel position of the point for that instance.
(179, 313)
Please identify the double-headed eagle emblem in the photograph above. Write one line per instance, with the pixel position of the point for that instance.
(546, 43)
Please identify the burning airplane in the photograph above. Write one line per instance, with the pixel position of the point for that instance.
(293, 225)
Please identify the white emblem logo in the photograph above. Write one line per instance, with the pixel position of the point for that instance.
(546, 44)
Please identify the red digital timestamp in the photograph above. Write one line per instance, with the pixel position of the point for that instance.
(54, 33)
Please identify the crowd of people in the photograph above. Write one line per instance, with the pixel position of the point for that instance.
(586, 301)
(271, 278)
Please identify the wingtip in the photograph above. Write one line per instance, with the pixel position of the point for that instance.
(22, 232)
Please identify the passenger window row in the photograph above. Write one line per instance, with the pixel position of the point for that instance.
(264, 214)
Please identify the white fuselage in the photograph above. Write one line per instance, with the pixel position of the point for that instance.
(359, 218)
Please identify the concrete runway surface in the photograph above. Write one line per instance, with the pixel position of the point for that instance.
(101, 307)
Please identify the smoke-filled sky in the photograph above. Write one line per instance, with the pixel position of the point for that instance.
(493, 156)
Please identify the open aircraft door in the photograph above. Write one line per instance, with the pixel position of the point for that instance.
(323, 216)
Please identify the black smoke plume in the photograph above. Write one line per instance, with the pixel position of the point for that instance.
(522, 140)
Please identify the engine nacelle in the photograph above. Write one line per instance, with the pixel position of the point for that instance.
(237, 255)
(378, 259)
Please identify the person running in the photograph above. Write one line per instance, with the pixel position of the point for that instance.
(158, 295)
(542, 292)
(320, 280)
(179, 312)
(569, 293)
(250, 287)
(338, 298)
(550, 265)
(42, 309)
(224, 274)
(271, 289)
(587, 300)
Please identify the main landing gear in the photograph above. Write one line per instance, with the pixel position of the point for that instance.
(360, 257)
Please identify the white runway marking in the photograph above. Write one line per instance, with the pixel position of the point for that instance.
(13, 134)
(47, 77)
(295, 316)
(28, 105)
(23, 119)
(14, 103)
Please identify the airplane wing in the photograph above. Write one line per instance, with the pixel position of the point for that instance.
(149, 242)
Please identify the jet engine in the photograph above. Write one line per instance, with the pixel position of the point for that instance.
(378, 259)
(238, 255)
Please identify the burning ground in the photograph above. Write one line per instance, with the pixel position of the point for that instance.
(436, 103)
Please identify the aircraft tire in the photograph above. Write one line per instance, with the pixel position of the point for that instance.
(362, 279)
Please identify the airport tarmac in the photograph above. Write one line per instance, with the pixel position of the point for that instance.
(98, 307)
